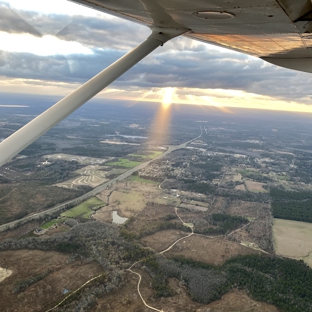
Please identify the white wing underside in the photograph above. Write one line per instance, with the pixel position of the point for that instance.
(276, 31)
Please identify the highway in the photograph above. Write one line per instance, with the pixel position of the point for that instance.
(95, 191)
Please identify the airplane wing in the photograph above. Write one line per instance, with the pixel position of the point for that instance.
(278, 31)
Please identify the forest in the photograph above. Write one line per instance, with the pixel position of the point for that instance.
(282, 282)
(292, 205)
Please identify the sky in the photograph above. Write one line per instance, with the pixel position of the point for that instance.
(51, 47)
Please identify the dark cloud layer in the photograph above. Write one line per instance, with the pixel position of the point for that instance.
(180, 63)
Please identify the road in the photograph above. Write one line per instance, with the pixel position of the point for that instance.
(95, 191)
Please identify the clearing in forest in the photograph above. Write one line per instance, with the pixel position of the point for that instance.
(253, 186)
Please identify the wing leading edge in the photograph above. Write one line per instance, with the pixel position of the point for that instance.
(279, 32)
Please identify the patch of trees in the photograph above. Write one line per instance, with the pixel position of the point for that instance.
(32, 197)
(169, 217)
(92, 240)
(293, 210)
(162, 226)
(292, 205)
(209, 170)
(39, 148)
(198, 187)
(159, 281)
(25, 283)
(285, 283)
(282, 195)
(244, 145)
(131, 232)
(135, 253)
(224, 224)
(58, 171)
(68, 247)
(203, 284)
(4, 180)
(245, 196)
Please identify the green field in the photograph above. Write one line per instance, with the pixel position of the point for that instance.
(138, 179)
(154, 154)
(50, 223)
(123, 162)
(84, 209)
(138, 156)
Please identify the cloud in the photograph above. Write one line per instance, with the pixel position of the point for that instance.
(181, 63)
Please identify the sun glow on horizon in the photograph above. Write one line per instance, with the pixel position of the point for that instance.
(223, 99)
(168, 94)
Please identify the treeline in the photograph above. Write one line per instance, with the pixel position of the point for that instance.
(282, 195)
(292, 205)
(293, 210)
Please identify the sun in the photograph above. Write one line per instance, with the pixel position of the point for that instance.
(168, 94)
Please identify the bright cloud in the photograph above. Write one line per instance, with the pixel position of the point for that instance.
(44, 46)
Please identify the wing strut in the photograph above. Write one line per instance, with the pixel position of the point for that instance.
(52, 116)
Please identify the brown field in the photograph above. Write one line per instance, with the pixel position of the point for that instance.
(127, 203)
(162, 240)
(104, 214)
(293, 239)
(129, 198)
(155, 213)
(240, 187)
(232, 177)
(248, 209)
(253, 186)
(196, 197)
(210, 250)
(127, 299)
(217, 205)
(259, 231)
(41, 295)
(237, 300)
